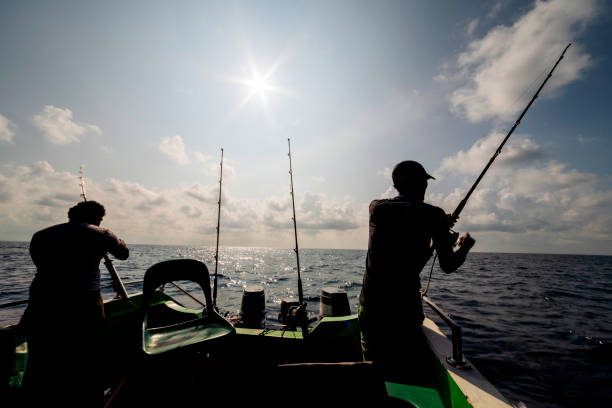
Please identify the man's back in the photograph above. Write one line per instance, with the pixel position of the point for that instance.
(69, 254)
(401, 231)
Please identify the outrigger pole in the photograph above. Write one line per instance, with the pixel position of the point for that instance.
(455, 215)
(301, 313)
(117, 283)
(218, 226)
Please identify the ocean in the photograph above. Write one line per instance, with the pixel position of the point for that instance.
(538, 326)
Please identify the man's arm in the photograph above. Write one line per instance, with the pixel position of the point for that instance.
(116, 246)
(451, 260)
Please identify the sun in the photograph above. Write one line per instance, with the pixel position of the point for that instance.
(259, 85)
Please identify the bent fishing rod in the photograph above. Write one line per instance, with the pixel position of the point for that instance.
(218, 227)
(303, 316)
(117, 283)
(455, 215)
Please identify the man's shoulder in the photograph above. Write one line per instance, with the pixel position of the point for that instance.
(434, 209)
(50, 230)
(399, 200)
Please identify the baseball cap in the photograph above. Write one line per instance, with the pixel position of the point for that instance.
(409, 170)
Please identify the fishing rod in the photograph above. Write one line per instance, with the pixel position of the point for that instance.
(117, 283)
(301, 312)
(218, 226)
(455, 215)
(297, 252)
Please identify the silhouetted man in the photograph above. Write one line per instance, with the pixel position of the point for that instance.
(65, 313)
(401, 232)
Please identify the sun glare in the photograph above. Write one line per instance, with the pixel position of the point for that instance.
(259, 85)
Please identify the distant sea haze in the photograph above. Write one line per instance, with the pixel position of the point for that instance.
(539, 327)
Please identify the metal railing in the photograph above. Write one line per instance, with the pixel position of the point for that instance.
(456, 360)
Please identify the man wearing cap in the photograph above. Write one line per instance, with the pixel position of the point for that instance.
(401, 231)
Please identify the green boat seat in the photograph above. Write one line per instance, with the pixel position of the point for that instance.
(209, 327)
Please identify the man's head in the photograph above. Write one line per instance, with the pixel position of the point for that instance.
(90, 212)
(410, 178)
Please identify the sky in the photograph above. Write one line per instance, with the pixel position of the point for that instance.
(144, 95)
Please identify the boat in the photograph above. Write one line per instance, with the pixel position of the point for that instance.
(162, 353)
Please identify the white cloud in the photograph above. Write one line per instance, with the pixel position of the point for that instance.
(174, 148)
(35, 196)
(501, 65)
(58, 127)
(518, 150)
(7, 130)
(471, 27)
(211, 165)
(386, 172)
(315, 212)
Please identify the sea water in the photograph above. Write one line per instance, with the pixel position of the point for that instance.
(539, 327)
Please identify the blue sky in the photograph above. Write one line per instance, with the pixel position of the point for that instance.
(145, 94)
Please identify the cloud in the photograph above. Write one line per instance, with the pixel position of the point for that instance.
(35, 196)
(495, 10)
(585, 140)
(211, 195)
(519, 150)
(174, 148)
(59, 128)
(7, 130)
(530, 201)
(315, 212)
(386, 172)
(497, 68)
(471, 27)
(319, 179)
(211, 165)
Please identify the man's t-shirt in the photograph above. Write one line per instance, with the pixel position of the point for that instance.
(401, 232)
(68, 255)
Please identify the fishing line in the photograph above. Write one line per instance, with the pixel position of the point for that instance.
(424, 292)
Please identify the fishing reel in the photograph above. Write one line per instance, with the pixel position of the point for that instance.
(292, 314)
(453, 236)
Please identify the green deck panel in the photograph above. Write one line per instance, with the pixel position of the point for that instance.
(343, 326)
(421, 397)
(424, 397)
(448, 389)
